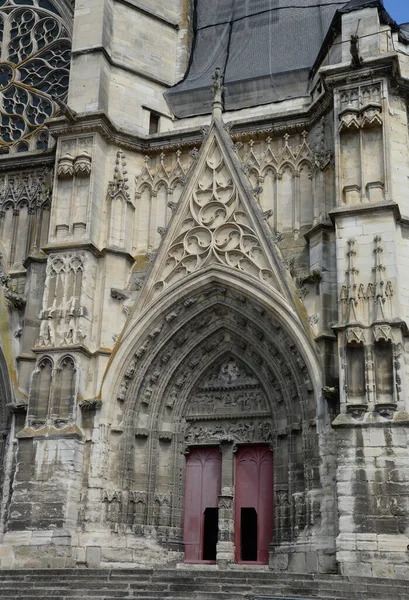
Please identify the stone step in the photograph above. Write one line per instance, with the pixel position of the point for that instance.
(200, 584)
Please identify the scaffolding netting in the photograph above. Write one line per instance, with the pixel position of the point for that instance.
(266, 49)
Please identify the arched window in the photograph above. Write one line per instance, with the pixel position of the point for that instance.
(64, 389)
(34, 68)
(40, 392)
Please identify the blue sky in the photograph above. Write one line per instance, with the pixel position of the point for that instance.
(398, 10)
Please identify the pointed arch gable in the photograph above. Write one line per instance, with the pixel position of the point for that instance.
(217, 221)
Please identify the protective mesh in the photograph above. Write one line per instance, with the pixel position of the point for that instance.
(265, 47)
(404, 32)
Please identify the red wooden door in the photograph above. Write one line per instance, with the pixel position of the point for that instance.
(202, 490)
(253, 504)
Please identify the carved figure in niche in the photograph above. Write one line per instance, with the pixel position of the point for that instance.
(172, 398)
(123, 388)
(299, 511)
(147, 395)
(265, 433)
(230, 371)
(62, 301)
(47, 332)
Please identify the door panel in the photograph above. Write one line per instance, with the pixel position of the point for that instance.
(202, 490)
(253, 490)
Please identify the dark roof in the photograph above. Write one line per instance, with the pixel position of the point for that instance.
(266, 49)
(404, 32)
(358, 4)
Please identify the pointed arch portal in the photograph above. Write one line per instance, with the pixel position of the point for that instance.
(217, 369)
(216, 358)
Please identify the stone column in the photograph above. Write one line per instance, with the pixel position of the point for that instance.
(225, 545)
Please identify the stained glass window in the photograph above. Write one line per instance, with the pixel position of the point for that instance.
(35, 49)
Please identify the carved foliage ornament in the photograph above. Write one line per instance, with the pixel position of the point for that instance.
(36, 53)
(216, 229)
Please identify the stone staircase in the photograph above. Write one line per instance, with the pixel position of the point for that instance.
(184, 584)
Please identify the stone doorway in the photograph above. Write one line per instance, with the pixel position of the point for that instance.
(202, 490)
(253, 520)
(253, 504)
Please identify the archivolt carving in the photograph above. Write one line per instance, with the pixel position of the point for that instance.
(275, 347)
(217, 366)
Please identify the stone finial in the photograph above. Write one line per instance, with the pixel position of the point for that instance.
(218, 90)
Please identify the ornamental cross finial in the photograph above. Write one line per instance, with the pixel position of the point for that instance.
(218, 90)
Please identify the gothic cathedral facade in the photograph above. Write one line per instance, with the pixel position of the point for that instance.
(204, 343)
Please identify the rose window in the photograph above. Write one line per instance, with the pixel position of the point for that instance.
(35, 50)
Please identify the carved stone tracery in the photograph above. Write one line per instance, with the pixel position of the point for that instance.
(38, 54)
(215, 229)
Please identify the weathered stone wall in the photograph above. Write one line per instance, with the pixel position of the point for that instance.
(373, 500)
(130, 54)
(121, 298)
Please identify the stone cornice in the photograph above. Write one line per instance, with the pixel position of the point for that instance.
(71, 349)
(295, 121)
(341, 73)
(319, 228)
(346, 421)
(370, 207)
(27, 160)
(88, 246)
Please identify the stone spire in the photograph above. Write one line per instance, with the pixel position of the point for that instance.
(218, 90)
